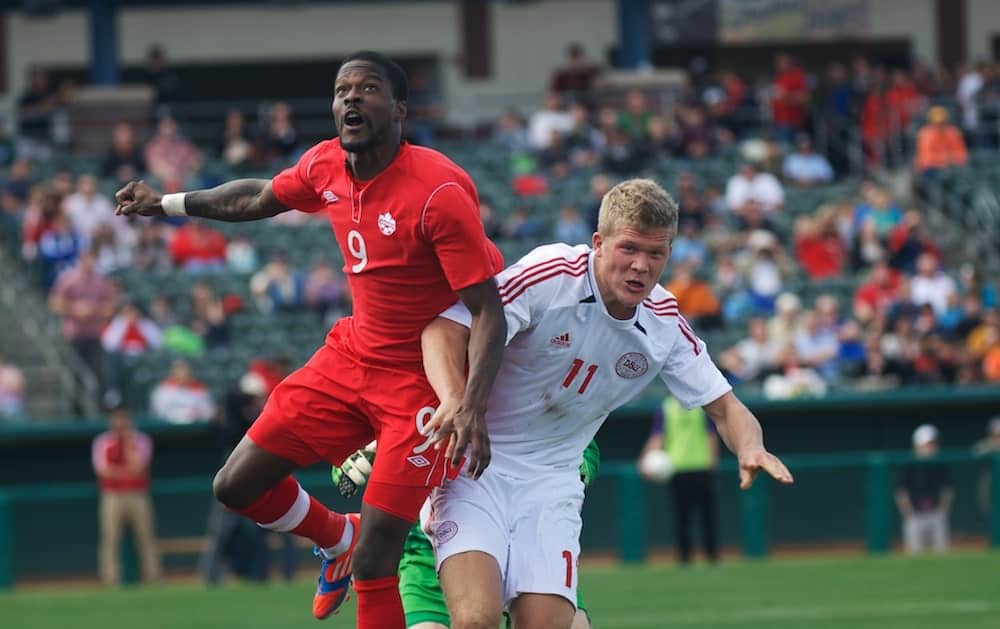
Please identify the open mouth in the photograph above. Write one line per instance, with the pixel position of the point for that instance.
(634, 285)
(353, 120)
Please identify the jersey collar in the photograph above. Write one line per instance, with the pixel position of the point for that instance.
(591, 278)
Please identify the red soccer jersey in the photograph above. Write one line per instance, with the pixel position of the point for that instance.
(410, 237)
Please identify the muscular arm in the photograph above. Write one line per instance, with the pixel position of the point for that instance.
(486, 341)
(741, 433)
(238, 200)
(445, 344)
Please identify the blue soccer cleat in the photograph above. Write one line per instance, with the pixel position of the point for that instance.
(334, 582)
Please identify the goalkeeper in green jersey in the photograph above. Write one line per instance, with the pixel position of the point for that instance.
(423, 601)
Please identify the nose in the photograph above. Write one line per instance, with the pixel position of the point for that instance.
(640, 263)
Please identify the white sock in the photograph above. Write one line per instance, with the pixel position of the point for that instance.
(342, 545)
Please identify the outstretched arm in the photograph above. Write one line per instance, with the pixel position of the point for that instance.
(445, 344)
(238, 200)
(742, 434)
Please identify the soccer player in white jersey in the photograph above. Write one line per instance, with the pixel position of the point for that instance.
(588, 329)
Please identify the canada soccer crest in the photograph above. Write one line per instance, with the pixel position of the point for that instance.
(386, 224)
(631, 365)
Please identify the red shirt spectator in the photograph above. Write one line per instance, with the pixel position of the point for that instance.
(902, 101)
(130, 333)
(791, 92)
(121, 456)
(198, 248)
(876, 295)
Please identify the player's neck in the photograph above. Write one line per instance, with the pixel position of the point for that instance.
(369, 164)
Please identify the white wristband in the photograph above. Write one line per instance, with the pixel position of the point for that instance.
(173, 204)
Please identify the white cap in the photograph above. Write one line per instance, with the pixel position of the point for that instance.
(252, 384)
(924, 434)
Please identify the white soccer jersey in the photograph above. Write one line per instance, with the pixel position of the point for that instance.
(569, 363)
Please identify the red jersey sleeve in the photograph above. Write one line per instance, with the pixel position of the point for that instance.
(451, 223)
(293, 187)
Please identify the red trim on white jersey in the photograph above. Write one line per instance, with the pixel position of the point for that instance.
(663, 308)
(688, 334)
(541, 267)
(538, 279)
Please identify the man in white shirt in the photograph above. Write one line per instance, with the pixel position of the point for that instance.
(588, 329)
(752, 185)
(931, 285)
(552, 118)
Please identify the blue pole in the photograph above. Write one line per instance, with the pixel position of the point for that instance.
(634, 36)
(103, 42)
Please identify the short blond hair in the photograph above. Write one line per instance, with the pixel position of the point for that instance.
(639, 203)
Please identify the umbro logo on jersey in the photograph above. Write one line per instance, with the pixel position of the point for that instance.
(418, 460)
(562, 340)
(330, 197)
(386, 224)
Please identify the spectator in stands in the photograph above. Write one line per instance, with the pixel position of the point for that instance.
(576, 75)
(867, 247)
(197, 248)
(151, 252)
(58, 249)
(326, 290)
(510, 133)
(85, 300)
(931, 285)
(688, 246)
(277, 286)
(733, 111)
(424, 107)
(753, 357)
(924, 495)
(940, 145)
(634, 118)
(124, 160)
(161, 311)
(694, 135)
(170, 157)
(750, 184)
(241, 256)
(817, 345)
(764, 265)
(11, 391)
(818, 246)
(969, 85)
(793, 379)
(583, 141)
(599, 186)
(163, 79)
(805, 167)
(39, 217)
(570, 228)
(280, 138)
(909, 240)
(490, 223)
(209, 318)
(131, 333)
(876, 371)
(789, 98)
(695, 298)
(552, 117)
(873, 299)
(972, 282)
(621, 156)
(659, 144)
(903, 101)
(17, 187)
(522, 225)
(36, 110)
(8, 148)
(87, 208)
(180, 398)
(837, 108)
(236, 149)
(121, 458)
(783, 326)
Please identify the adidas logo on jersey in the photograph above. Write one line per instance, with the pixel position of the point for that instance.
(562, 340)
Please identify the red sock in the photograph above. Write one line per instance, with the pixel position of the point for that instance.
(287, 507)
(379, 606)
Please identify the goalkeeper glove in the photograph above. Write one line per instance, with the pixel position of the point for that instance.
(354, 472)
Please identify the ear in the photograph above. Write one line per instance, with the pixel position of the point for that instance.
(399, 110)
(596, 242)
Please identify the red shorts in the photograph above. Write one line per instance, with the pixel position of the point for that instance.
(335, 405)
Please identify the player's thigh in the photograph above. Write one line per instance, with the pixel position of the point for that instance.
(473, 589)
(545, 542)
(542, 611)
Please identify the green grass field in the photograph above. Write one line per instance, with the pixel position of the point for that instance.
(956, 591)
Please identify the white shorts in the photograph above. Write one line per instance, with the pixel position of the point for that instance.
(530, 526)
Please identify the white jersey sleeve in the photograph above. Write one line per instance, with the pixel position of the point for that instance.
(689, 372)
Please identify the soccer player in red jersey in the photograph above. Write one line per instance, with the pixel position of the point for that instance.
(407, 221)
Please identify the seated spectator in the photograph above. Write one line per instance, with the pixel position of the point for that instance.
(236, 150)
(124, 161)
(425, 109)
(551, 117)
(151, 252)
(209, 317)
(43, 209)
(818, 246)
(522, 225)
(58, 249)
(634, 118)
(874, 298)
(87, 208)
(692, 204)
(867, 248)
(621, 156)
(805, 167)
(793, 380)
(939, 144)
(576, 75)
(583, 141)
(11, 391)
(782, 327)
(752, 357)
(764, 265)
(280, 139)
(599, 186)
(170, 157)
(972, 282)
(36, 110)
(571, 229)
(112, 248)
(17, 188)
(277, 286)
(750, 184)
(694, 135)
(878, 206)
(931, 285)
(180, 398)
(198, 248)
(510, 133)
(131, 333)
(490, 223)
(689, 247)
(695, 297)
(161, 311)
(816, 345)
(326, 290)
(909, 240)
(241, 256)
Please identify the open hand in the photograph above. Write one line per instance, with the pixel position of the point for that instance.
(752, 461)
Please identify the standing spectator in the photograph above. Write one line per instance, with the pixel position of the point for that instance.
(424, 107)
(121, 458)
(750, 184)
(570, 228)
(903, 101)
(180, 398)
(576, 75)
(940, 144)
(692, 444)
(85, 300)
(131, 333)
(170, 157)
(39, 217)
(931, 285)
(789, 98)
(197, 248)
(124, 161)
(11, 391)
(17, 187)
(805, 167)
(924, 494)
(87, 208)
(552, 117)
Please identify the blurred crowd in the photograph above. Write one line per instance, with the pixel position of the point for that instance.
(739, 259)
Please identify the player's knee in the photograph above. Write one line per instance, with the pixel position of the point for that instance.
(227, 490)
(474, 617)
(371, 558)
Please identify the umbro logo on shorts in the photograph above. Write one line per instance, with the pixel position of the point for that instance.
(418, 460)
(562, 340)
(330, 197)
